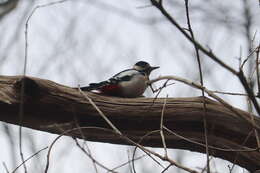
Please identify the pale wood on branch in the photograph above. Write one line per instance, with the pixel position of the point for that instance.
(54, 108)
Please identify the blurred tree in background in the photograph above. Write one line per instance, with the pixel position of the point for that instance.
(82, 41)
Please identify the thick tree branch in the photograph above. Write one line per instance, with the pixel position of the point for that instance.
(51, 107)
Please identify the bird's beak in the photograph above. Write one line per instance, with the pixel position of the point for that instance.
(153, 68)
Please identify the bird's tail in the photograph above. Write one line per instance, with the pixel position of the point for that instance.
(94, 86)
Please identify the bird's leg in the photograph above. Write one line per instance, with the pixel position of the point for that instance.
(160, 88)
(153, 90)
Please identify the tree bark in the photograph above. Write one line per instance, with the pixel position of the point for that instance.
(54, 108)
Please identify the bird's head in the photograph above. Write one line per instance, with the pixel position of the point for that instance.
(144, 67)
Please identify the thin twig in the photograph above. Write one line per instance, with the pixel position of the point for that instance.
(250, 95)
(99, 111)
(198, 86)
(21, 109)
(90, 156)
(139, 142)
(159, 90)
(149, 152)
(129, 161)
(211, 147)
(237, 154)
(209, 53)
(28, 159)
(66, 133)
(169, 160)
(129, 158)
(167, 168)
(247, 58)
(21, 114)
(229, 93)
(258, 85)
(205, 167)
(161, 128)
(201, 82)
(5, 166)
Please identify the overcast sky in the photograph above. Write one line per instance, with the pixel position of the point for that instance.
(83, 41)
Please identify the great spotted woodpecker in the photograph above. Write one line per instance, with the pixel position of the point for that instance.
(128, 83)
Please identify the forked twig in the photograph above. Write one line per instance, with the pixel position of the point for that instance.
(66, 133)
(159, 90)
(150, 152)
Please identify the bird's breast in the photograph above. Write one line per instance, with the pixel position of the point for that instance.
(135, 87)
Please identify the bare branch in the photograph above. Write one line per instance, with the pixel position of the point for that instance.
(210, 54)
(45, 101)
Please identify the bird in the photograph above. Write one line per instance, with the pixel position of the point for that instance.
(129, 83)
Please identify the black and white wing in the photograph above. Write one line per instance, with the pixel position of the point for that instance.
(125, 75)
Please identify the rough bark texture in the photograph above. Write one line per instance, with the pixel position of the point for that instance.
(53, 108)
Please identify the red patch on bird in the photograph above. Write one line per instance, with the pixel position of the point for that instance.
(110, 90)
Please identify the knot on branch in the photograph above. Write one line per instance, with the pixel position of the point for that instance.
(27, 87)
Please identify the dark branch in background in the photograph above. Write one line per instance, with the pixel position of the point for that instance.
(49, 105)
(201, 82)
(210, 54)
(7, 7)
